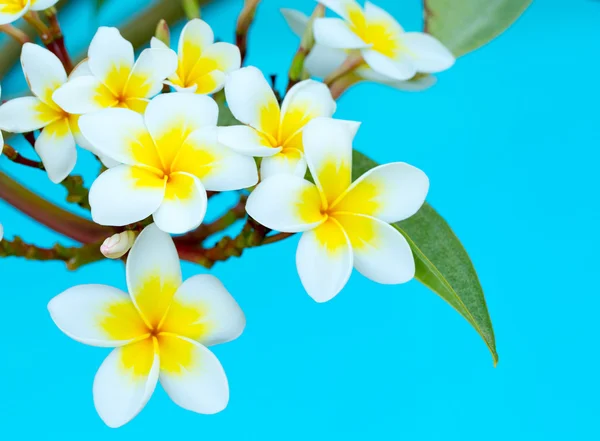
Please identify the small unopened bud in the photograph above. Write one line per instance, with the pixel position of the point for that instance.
(163, 33)
(308, 38)
(117, 244)
(191, 9)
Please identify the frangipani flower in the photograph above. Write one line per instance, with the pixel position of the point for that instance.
(270, 132)
(1, 137)
(344, 224)
(322, 61)
(114, 79)
(55, 144)
(11, 10)
(169, 157)
(203, 64)
(384, 45)
(161, 330)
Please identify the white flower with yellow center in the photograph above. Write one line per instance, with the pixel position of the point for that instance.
(161, 330)
(272, 132)
(344, 224)
(203, 64)
(169, 158)
(11, 10)
(384, 45)
(56, 143)
(110, 77)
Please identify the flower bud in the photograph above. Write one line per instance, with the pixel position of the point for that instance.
(118, 244)
(163, 33)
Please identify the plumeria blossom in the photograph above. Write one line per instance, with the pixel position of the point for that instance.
(322, 61)
(161, 330)
(1, 137)
(56, 143)
(385, 47)
(272, 132)
(344, 224)
(11, 10)
(169, 157)
(111, 78)
(202, 64)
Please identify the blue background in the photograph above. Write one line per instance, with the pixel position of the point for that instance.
(509, 138)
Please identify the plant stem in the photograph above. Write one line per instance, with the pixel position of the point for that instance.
(236, 213)
(352, 62)
(17, 158)
(17, 34)
(244, 23)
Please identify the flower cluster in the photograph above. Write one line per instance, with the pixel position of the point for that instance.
(153, 123)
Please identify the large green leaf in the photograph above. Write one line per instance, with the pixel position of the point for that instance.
(465, 25)
(442, 264)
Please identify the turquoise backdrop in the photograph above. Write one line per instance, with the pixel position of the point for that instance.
(509, 138)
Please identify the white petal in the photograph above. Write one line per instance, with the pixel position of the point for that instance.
(192, 375)
(97, 315)
(56, 148)
(296, 20)
(225, 56)
(9, 17)
(217, 166)
(376, 16)
(153, 273)
(252, 101)
(109, 53)
(125, 382)
(155, 43)
(150, 70)
(82, 69)
(39, 5)
(381, 253)
(26, 115)
(322, 61)
(195, 37)
(43, 70)
(286, 203)
(401, 69)
(324, 261)
(335, 33)
(124, 194)
(184, 205)
(246, 140)
(328, 152)
(289, 161)
(390, 192)
(415, 84)
(342, 7)
(204, 311)
(427, 53)
(84, 94)
(120, 134)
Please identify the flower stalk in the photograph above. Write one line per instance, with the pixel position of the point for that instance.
(297, 71)
(244, 22)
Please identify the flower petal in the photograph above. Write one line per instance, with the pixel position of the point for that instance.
(296, 20)
(192, 375)
(328, 151)
(344, 8)
(324, 261)
(184, 205)
(195, 37)
(10, 12)
(84, 94)
(150, 70)
(389, 192)
(81, 69)
(428, 54)
(289, 161)
(153, 273)
(124, 194)
(56, 148)
(252, 101)
(322, 61)
(39, 5)
(26, 115)
(306, 100)
(206, 84)
(246, 140)
(415, 84)
(221, 56)
(204, 311)
(378, 18)
(217, 166)
(125, 382)
(121, 134)
(381, 253)
(111, 58)
(171, 118)
(43, 70)
(400, 69)
(97, 315)
(336, 33)
(286, 203)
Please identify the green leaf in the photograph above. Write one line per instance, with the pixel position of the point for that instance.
(465, 25)
(442, 264)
